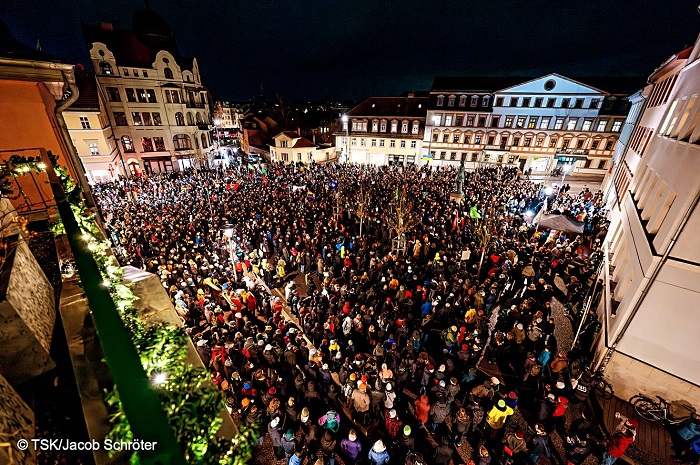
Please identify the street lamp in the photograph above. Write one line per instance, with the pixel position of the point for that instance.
(217, 124)
(344, 118)
(567, 168)
(227, 231)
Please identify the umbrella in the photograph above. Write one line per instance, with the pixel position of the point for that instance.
(561, 223)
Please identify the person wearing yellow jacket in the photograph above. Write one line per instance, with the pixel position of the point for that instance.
(497, 417)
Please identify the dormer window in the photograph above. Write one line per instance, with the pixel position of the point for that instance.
(375, 125)
(485, 101)
(105, 68)
(451, 101)
(462, 100)
(474, 101)
(440, 100)
(168, 73)
(382, 126)
(394, 126)
(414, 129)
(404, 127)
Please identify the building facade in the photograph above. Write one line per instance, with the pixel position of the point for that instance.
(289, 147)
(155, 98)
(651, 276)
(383, 131)
(552, 124)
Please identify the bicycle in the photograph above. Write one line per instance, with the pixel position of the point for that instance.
(671, 413)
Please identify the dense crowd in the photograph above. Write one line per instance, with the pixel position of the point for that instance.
(392, 336)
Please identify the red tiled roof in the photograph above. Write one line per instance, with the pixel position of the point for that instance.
(411, 107)
(302, 143)
(88, 98)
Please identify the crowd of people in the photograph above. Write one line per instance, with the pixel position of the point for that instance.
(383, 358)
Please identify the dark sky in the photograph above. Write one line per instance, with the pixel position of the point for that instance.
(351, 49)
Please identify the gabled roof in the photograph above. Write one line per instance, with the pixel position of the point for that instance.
(398, 107)
(302, 143)
(290, 134)
(88, 97)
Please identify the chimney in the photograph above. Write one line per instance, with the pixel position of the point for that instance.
(411, 95)
(106, 26)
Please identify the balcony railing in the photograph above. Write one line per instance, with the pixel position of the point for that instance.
(194, 105)
(583, 152)
(505, 148)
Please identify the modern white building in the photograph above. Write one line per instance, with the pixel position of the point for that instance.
(650, 311)
(290, 147)
(155, 97)
(383, 131)
(548, 124)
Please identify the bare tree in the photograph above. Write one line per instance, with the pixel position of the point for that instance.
(485, 228)
(362, 204)
(402, 218)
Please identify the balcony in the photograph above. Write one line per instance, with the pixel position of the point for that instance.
(504, 148)
(578, 152)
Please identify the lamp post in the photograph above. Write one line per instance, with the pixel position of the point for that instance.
(567, 168)
(227, 231)
(344, 118)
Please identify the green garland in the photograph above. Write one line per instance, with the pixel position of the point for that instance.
(191, 402)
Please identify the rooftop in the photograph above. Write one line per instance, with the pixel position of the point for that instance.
(413, 107)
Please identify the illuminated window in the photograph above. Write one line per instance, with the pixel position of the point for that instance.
(571, 124)
(92, 145)
(128, 144)
(105, 68)
(136, 116)
(617, 125)
(147, 144)
(587, 124)
(601, 125)
(159, 144)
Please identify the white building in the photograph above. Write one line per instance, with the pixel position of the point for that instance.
(289, 147)
(155, 98)
(544, 124)
(383, 131)
(650, 308)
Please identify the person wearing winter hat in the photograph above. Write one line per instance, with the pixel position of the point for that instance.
(496, 418)
(392, 423)
(378, 454)
(275, 432)
(351, 447)
(289, 443)
(406, 441)
(540, 444)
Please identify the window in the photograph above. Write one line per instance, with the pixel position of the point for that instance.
(147, 144)
(451, 101)
(470, 121)
(571, 124)
(579, 143)
(587, 124)
(394, 126)
(553, 142)
(462, 100)
(105, 68)
(566, 144)
(136, 73)
(565, 102)
(448, 120)
(544, 122)
(538, 142)
(383, 126)
(403, 144)
(516, 141)
(594, 145)
(151, 96)
(113, 94)
(578, 103)
(559, 123)
(413, 144)
(440, 100)
(499, 101)
(168, 73)
(595, 102)
(526, 101)
(601, 125)
(147, 119)
(617, 125)
(92, 146)
(509, 122)
(532, 122)
(435, 137)
(120, 119)
(141, 94)
(85, 122)
(528, 141)
(520, 122)
(474, 101)
(375, 125)
(467, 138)
(446, 137)
(514, 101)
(482, 121)
(442, 155)
(179, 119)
(172, 96)
(128, 144)
(374, 143)
(159, 143)
(353, 142)
(392, 143)
(551, 102)
(284, 143)
(182, 142)
(145, 73)
(156, 119)
(609, 145)
(494, 121)
(130, 95)
(414, 129)
(459, 120)
(381, 142)
(136, 116)
(363, 142)
(477, 139)
(453, 156)
(126, 72)
(490, 140)
(538, 102)
(485, 100)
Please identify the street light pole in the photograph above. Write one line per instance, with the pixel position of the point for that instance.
(347, 137)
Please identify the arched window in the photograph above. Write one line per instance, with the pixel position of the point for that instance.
(182, 142)
(199, 118)
(128, 144)
(204, 141)
(190, 119)
(105, 68)
(179, 119)
(168, 73)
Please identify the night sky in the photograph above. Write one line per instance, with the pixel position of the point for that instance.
(352, 49)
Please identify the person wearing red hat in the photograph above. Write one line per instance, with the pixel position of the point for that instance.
(514, 444)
